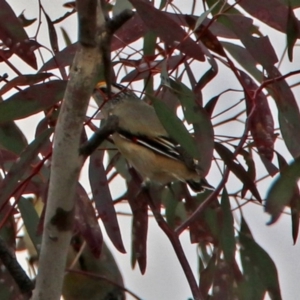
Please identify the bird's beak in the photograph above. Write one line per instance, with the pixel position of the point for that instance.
(101, 84)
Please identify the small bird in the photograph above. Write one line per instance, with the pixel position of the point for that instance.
(143, 141)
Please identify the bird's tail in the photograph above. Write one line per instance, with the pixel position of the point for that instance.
(200, 186)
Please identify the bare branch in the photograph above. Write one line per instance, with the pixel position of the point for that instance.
(10, 262)
(66, 163)
(99, 136)
(111, 26)
(174, 239)
(172, 236)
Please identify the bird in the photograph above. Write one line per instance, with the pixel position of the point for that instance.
(143, 141)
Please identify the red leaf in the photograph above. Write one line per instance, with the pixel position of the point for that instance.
(5, 54)
(87, 223)
(32, 100)
(14, 36)
(52, 33)
(260, 48)
(237, 169)
(7, 156)
(272, 12)
(138, 203)
(167, 29)
(62, 59)
(144, 68)
(131, 31)
(22, 80)
(288, 111)
(13, 178)
(103, 199)
(261, 123)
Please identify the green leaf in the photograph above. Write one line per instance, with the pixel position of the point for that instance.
(204, 15)
(292, 32)
(207, 275)
(66, 37)
(26, 22)
(12, 138)
(174, 127)
(237, 169)
(18, 169)
(282, 190)
(120, 6)
(288, 111)
(31, 220)
(259, 268)
(294, 203)
(289, 120)
(210, 105)
(32, 100)
(198, 116)
(163, 3)
(170, 204)
(208, 75)
(227, 230)
(295, 214)
(244, 58)
(174, 208)
(187, 100)
(211, 218)
(293, 3)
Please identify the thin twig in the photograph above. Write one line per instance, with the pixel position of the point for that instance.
(106, 279)
(14, 268)
(174, 239)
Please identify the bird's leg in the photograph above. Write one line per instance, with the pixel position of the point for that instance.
(110, 126)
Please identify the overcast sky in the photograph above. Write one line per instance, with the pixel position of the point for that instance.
(164, 278)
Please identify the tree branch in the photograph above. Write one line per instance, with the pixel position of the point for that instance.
(12, 265)
(66, 165)
(111, 26)
(174, 239)
(111, 126)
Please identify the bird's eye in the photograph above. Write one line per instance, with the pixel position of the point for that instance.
(103, 90)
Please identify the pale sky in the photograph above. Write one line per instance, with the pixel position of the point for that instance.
(164, 278)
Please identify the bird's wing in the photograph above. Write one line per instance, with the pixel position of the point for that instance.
(161, 145)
